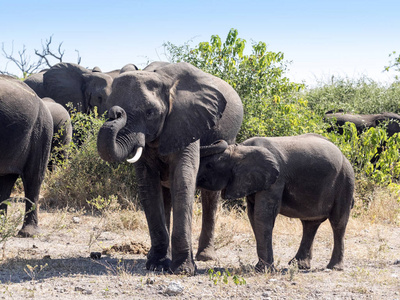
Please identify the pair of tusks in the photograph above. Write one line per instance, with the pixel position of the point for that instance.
(136, 157)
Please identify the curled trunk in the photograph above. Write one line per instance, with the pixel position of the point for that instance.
(115, 142)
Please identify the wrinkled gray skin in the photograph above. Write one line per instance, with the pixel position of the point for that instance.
(68, 82)
(169, 113)
(26, 129)
(305, 177)
(62, 128)
(363, 122)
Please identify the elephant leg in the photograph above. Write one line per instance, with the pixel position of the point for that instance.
(32, 183)
(304, 254)
(167, 207)
(209, 202)
(265, 210)
(339, 229)
(150, 194)
(184, 170)
(338, 219)
(6, 184)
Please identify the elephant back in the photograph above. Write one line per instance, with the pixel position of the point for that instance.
(35, 82)
(64, 82)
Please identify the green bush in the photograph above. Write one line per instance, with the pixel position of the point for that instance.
(272, 104)
(362, 96)
(372, 153)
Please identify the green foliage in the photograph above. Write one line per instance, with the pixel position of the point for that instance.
(271, 102)
(223, 277)
(84, 178)
(363, 96)
(372, 152)
(394, 64)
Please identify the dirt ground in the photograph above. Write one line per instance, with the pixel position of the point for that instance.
(57, 264)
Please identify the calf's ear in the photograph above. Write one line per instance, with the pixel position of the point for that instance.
(256, 169)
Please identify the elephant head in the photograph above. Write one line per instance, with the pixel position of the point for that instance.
(168, 108)
(238, 170)
(67, 82)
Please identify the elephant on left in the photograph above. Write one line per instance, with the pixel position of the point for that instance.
(26, 130)
(68, 82)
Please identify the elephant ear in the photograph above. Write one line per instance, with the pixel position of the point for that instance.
(195, 106)
(64, 83)
(255, 169)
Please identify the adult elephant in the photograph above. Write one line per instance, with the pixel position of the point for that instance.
(26, 129)
(68, 82)
(363, 122)
(62, 130)
(160, 119)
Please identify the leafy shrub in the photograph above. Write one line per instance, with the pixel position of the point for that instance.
(372, 152)
(272, 105)
(84, 176)
(363, 96)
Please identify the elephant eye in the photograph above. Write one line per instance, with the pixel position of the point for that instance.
(150, 113)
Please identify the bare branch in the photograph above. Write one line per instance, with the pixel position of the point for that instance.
(47, 53)
(22, 61)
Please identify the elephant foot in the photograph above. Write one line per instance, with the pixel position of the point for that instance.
(262, 267)
(29, 231)
(335, 266)
(159, 265)
(158, 260)
(303, 264)
(187, 267)
(206, 254)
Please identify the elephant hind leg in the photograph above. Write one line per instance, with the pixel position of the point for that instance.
(304, 254)
(209, 202)
(339, 229)
(6, 184)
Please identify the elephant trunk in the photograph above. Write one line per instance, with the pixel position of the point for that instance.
(115, 142)
(214, 148)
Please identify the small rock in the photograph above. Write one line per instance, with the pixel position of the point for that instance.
(397, 262)
(76, 220)
(174, 288)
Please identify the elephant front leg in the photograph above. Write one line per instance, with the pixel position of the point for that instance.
(184, 167)
(304, 254)
(209, 202)
(150, 193)
(262, 216)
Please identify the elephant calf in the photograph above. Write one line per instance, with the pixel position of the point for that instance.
(305, 177)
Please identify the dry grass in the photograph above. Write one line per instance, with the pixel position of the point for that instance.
(56, 263)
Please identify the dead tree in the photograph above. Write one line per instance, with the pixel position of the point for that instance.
(46, 57)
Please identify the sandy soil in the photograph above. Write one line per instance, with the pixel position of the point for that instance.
(57, 263)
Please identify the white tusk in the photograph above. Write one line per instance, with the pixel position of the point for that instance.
(136, 157)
